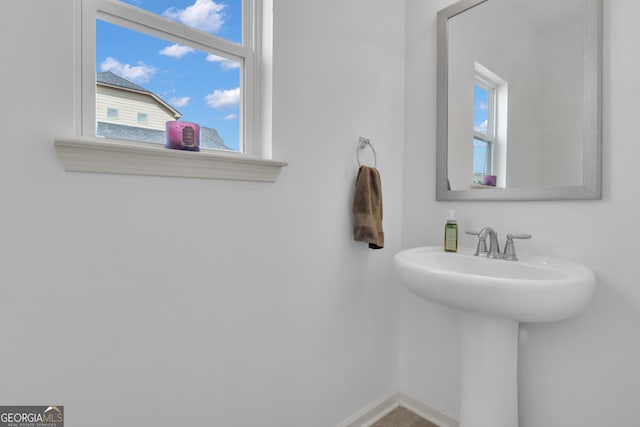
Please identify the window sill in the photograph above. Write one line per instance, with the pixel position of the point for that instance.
(112, 156)
(475, 185)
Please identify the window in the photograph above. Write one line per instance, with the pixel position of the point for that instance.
(118, 38)
(112, 114)
(483, 128)
(190, 60)
(143, 118)
(490, 102)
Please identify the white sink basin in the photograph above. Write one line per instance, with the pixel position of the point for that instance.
(492, 297)
(532, 289)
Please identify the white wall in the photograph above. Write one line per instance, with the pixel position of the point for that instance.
(580, 372)
(167, 302)
(562, 124)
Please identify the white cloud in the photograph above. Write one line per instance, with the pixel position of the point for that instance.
(176, 51)
(225, 64)
(223, 98)
(180, 102)
(482, 106)
(230, 117)
(205, 15)
(482, 127)
(140, 73)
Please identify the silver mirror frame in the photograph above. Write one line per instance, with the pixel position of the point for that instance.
(591, 189)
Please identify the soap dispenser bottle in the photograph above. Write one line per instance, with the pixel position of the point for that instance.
(451, 233)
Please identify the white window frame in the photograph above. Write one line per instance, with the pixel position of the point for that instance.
(143, 118)
(489, 136)
(497, 121)
(114, 116)
(86, 152)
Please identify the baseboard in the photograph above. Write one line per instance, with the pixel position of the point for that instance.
(388, 403)
(373, 412)
(428, 410)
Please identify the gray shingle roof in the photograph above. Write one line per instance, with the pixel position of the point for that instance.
(112, 79)
(210, 138)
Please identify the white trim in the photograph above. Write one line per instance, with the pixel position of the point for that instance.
(112, 156)
(115, 115)
(428, 410)
(263, 99)
(378, 409)
(373, 412)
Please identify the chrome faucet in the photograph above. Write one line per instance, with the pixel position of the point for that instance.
(494, 248)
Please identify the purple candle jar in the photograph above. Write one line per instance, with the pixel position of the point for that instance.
(489, 180)
(183, 136)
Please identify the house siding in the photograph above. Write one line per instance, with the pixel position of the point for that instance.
(129, 104)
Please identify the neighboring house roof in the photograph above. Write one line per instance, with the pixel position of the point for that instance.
(107, 78)
(209, 138)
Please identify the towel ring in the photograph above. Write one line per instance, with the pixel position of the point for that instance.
(362, 144)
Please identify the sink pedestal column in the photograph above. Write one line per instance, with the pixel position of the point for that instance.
(489, 374)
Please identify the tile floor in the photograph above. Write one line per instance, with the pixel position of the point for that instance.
(402, 417)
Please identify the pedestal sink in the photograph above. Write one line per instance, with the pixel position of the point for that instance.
(492, 296)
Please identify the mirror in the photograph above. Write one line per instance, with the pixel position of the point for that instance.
(519, 100)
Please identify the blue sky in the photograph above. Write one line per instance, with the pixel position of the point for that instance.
(480, 121)
(480, 108)
(203, 87)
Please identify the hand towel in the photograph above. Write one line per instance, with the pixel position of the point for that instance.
(367, 208)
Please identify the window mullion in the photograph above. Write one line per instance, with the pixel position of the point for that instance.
(143, 21)
(87, 63)
(491, 128)
(248, 126)
(250, 85)
(482, 136)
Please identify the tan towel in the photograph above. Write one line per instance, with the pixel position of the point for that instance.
(367, 208)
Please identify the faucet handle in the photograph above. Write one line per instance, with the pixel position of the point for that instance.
(518, 236)
(481, 249)
(509, 247)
